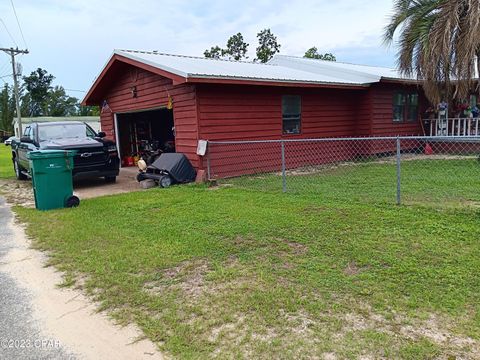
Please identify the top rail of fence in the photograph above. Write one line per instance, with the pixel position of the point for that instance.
(372, 138)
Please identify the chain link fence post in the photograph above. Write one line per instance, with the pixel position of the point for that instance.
(209, 173)
(399, 182)
(284, 172)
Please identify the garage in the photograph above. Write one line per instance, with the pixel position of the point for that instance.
(145, 134)
(218, 100)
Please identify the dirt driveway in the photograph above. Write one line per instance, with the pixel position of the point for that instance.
(21, 193)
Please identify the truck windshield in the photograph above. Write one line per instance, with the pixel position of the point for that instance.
(62, 131)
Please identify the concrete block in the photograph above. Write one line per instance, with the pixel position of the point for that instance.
(147, 184)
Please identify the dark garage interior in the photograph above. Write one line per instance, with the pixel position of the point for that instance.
(144, 132)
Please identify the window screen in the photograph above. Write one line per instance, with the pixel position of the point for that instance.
(291, 114)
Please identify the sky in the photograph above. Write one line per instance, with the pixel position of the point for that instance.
(73, 39)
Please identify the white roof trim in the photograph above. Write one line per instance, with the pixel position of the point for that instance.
(131, 55)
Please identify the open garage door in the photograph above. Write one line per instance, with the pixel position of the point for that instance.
(145, 134)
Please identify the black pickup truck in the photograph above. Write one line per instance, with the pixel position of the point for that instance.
(96, 156)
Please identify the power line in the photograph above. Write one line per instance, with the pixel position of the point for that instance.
(18, 23)
(4, 65)
(8, 32)
(82, 91)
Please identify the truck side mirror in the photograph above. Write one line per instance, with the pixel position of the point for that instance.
(26, 139)
(101, 134)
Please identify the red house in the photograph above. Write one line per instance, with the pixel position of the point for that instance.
(183, 99)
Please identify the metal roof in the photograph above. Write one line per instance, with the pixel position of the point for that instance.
(280, 69)
(349, 72)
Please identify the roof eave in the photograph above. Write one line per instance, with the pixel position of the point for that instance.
(207, 79)
(145, 65)
(400, 80)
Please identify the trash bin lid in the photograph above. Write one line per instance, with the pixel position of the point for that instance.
(49, 154)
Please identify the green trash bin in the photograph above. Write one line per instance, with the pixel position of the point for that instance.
(52, 178)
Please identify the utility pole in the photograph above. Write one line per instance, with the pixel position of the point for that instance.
(12, 52)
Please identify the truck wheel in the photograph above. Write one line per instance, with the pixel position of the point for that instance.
(165, 181)
(18, 171)
(110, 179)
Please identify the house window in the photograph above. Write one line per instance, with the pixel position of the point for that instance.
(399, 107)
(405, 107)
(412, 107)
(291, 114)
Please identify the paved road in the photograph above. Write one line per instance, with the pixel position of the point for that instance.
(20, 334)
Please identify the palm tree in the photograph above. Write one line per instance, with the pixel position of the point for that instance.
(439, 42)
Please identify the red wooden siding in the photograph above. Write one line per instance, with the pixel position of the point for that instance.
(152, 92)
(363, 123)
(255, 112)
(382, 123)
(382, 111)
(219, 112)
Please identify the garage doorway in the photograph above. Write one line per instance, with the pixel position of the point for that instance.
(141, 133)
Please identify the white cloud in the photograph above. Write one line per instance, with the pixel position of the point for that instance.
(73, 39)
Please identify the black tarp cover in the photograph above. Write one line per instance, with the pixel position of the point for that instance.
(177, 165)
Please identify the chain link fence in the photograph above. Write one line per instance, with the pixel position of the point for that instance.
(380, 169)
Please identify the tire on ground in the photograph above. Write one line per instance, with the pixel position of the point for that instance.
(165, 181)
(19, 170)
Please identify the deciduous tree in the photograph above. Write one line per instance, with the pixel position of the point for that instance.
(60, 104)
(38, 84)
(6, 109)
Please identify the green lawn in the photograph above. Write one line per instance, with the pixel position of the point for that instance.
(230, 272)
(439, 181)
(6, 167)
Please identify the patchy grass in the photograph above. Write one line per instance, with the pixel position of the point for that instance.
(238, 273)
(447, 181)
(18, 192)
(6, 167)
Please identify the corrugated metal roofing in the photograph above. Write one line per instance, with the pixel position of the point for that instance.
(279, 69)
(349, 72)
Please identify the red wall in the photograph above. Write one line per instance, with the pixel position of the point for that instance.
(255, 113)
(152, 92)
(243, 112)
(382, 110)
(228, 112)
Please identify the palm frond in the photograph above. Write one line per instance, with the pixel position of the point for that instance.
(439, 41)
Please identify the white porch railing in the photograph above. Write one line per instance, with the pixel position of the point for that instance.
(453, 126)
